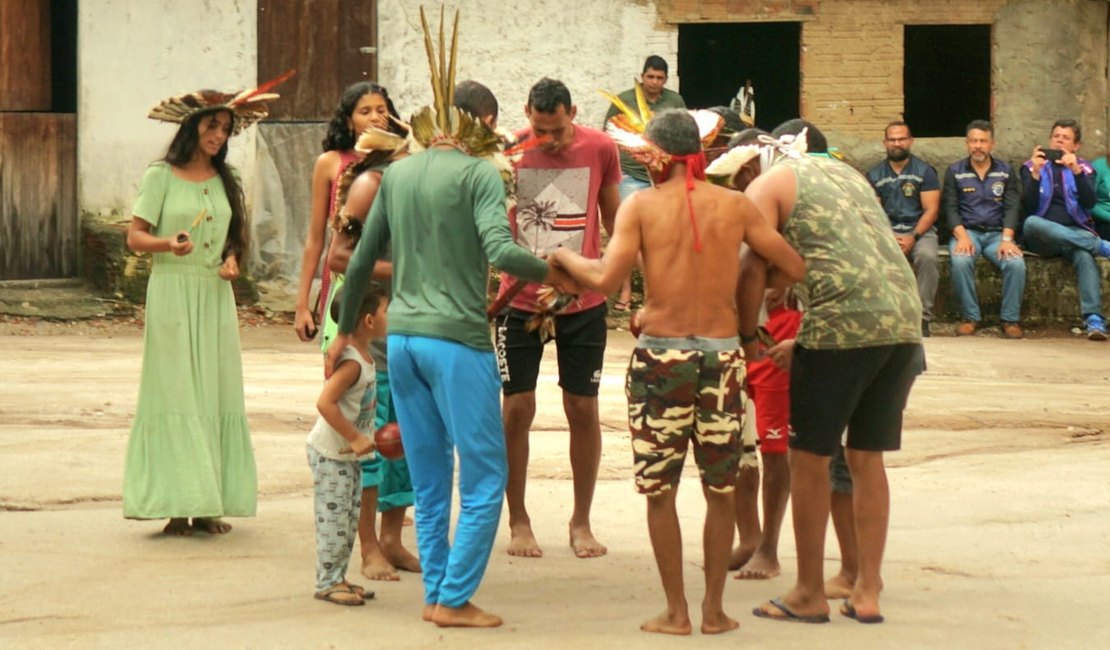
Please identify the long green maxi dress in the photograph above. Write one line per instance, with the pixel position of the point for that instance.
(190, 452)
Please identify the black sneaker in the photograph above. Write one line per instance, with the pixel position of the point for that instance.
(925, 329)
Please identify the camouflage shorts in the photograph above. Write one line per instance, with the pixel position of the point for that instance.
(677, 395)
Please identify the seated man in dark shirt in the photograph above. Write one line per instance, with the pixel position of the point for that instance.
(1058, 196)
(980, 203)
(909, 190)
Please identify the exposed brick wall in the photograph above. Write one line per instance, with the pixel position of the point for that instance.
(851, 49)
(1049, 60)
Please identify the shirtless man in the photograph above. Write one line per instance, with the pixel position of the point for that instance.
(685, 377)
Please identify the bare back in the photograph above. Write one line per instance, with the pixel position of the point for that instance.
(690, 293)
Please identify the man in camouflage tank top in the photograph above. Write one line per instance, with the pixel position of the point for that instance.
(852, 365)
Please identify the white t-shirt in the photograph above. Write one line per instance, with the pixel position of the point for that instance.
(357, 404)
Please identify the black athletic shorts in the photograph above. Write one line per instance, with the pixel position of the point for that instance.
(863, 389)
(579, 342)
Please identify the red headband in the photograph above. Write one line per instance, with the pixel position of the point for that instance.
(695, 169)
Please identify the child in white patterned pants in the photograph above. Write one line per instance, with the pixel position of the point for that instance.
(343, 432)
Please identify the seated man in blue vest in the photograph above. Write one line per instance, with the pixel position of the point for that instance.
(909, 190)
(1058, 194)
(981, 204)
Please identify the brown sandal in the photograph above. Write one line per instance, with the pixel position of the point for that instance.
(332, 595)
(359, 591)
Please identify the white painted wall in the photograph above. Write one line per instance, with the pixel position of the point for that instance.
(587, 44)
(131, 55)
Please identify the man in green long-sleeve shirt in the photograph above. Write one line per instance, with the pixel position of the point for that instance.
(444, 214)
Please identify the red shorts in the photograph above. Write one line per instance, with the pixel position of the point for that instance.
(772, 419)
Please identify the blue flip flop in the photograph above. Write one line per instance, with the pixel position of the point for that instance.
(788, 615)
(847, 610)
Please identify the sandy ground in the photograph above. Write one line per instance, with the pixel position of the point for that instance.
(998, 537)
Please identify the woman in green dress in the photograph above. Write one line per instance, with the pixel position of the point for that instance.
(189, 455)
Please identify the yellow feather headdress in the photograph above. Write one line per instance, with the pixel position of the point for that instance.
(442, 122)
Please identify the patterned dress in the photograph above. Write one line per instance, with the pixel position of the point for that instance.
(189, 454)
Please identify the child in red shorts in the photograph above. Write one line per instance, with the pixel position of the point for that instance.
(768, 386)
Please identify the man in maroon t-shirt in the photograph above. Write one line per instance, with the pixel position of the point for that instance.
(566, 190)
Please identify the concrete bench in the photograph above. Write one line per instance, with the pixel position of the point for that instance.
(1051, 292)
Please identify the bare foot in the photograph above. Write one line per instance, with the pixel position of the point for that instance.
(740, 556)
(211, 525)
(400, 557)
(179, 527)
(466, 616)
(584, 543)
(522, 543)
(376, 567)
(839, 587)
(427, 612)
(717, 623)
(666, 623)
(760, 567)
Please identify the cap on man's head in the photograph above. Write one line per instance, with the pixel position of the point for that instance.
(675, 132)
(815, 140)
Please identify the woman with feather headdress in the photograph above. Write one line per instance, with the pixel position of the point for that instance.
(189, 454)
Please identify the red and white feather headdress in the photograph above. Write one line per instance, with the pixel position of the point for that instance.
(248, 106)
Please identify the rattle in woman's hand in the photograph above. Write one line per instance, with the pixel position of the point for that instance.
(184, 236)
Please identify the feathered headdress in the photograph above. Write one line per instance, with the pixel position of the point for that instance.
(627, 129)
(248, 106)
(443, 122)
(768, 149)
(377, 147)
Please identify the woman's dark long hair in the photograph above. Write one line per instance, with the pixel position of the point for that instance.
(340, 137)
(181, 151)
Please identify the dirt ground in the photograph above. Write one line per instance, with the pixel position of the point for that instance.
(998, 535)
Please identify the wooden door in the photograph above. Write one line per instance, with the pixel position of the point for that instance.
(38, 139)
(331, 43)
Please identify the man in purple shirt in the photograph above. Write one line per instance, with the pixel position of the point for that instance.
(1059, 192)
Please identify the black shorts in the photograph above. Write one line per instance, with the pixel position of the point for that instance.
(579, 342)
(863, 389)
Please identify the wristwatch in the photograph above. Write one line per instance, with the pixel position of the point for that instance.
(917, 236)
(1007, 238)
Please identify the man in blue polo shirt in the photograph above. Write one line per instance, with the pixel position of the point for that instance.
(909, 190)
(981, 203)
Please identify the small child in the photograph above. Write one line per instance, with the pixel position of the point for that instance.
(768, 384)
(343, 432)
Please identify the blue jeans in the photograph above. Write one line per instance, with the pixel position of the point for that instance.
(630, 186)
(963, 276)
(447, 397)
(1051, 239)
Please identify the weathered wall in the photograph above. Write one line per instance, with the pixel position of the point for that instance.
(1049, 61)
(594, 44)
(133, 53)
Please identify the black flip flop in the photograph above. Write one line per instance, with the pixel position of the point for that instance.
(847, 610)
(788, 615)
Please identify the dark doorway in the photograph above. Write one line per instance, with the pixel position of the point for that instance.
(714, 60)
(63, 56)
(947, 78)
